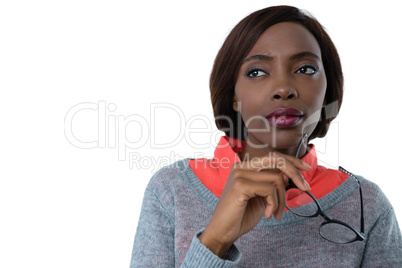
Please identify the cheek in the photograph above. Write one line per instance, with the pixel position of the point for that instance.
(250, 92)
(249, 103)
(317, 93)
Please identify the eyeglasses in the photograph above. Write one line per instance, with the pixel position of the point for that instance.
(330, 229)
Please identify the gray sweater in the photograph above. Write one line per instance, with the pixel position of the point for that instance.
(177, 207)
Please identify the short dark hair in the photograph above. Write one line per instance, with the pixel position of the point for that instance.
(238, 44)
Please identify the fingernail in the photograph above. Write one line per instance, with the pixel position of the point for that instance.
(268, 213)
(306, 165)
(307, 185)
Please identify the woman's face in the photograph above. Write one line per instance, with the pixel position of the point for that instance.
(281, 86)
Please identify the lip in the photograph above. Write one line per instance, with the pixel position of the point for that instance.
(285, 117)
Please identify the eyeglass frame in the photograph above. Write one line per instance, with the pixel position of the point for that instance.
(328, 219)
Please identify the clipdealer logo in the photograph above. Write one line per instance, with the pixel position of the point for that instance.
(113, 132)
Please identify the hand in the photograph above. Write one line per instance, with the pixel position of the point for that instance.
(254, 188)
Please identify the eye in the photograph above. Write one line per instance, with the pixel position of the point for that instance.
(254, 73)
(307, 69)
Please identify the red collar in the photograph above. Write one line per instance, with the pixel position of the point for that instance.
(225, 152)
(214, 172)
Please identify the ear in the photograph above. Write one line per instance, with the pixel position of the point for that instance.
(235, 104)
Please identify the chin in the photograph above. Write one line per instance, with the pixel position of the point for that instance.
(281, 139)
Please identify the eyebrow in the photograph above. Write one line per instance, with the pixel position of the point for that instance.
(293, 57)
(304, 54)
(258, 57)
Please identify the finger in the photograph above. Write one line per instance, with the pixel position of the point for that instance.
(285, 180)
(264, 183)
(298, 163)
(281, 196)
(270, 162)
(269, 193)
(277, 206)
(280, 162)
(265, 177)
(291, 172)
(271, 205)
(278, 159)
(274, 163)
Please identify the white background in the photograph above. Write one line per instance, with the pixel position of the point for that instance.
(65, 206)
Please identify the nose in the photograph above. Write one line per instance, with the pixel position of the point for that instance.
(284, 90)
(284, 93)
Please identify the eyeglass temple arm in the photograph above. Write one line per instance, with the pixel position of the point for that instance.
(361, 198)
(361, 207)
(292, 185)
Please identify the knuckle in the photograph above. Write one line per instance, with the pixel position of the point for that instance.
(278, 179)
(280, 160)
(265, 162)
(277, 155)
(237, 173)
(239, 184)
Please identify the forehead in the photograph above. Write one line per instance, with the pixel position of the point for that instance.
(285, 38)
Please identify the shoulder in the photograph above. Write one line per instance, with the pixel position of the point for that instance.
(169, 175)
(372, 193)
(177, 184)
(376, 204)
(373, 196)
(170, 182)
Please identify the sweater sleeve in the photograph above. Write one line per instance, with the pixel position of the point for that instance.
(384, 243)
(200, 256)
(154, 244)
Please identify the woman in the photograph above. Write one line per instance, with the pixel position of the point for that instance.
(276, 84)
